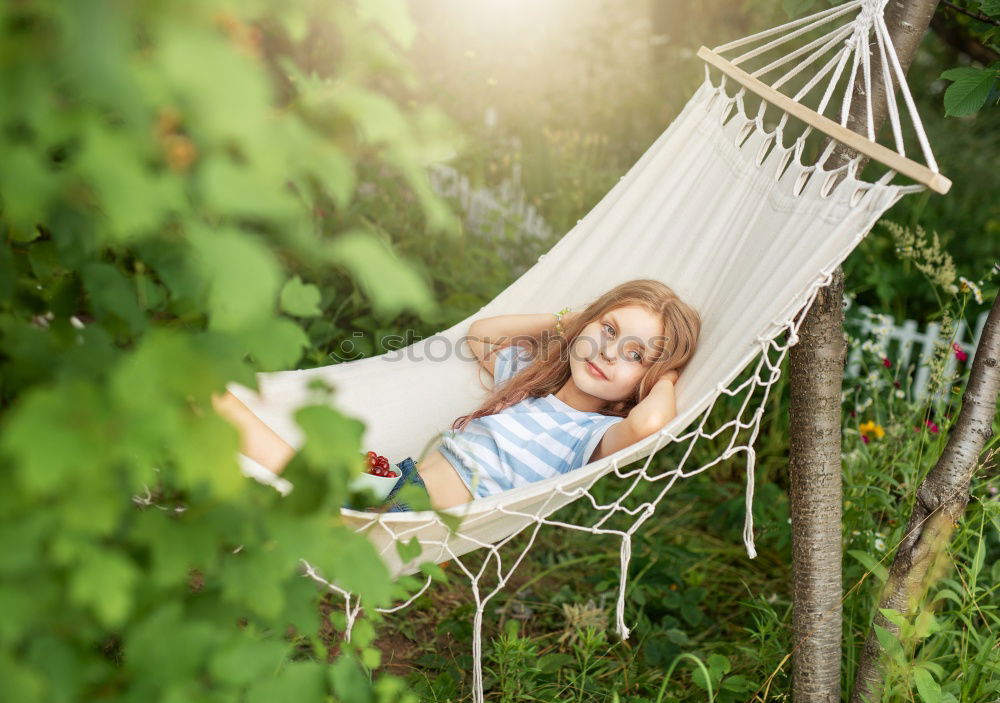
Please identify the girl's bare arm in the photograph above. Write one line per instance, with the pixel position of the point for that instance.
(651, 415)
(489, 334)
(257, 440)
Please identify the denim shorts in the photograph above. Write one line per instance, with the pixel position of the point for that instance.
(411, 476)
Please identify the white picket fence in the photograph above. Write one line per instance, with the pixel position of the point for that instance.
(906, 340)
(488, 211)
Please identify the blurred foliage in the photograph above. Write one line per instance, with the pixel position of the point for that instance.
(167, 169)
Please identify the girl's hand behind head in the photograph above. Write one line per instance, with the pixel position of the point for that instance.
(671, 375)
(568, 318)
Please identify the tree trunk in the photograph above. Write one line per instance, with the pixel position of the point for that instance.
(817, 364)
(941, 500)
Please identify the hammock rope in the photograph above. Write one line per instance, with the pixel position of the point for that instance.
(853, 38)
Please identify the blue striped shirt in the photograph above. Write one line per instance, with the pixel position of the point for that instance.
(530, 441)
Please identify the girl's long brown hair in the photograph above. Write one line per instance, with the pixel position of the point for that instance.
(551, 370)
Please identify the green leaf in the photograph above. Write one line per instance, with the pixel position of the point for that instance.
(969, 91)
(925, 624)
(349, 682)
(977, 561)
(390, 283)
(429, 568)
(147, 378)
(332, 439)
(551, 663)
(890, 643)
(677, 636)
(254, 578)
(408, 551)
(371, 658)
(301, 606)
(719, 665)
(228, 95)
(990, 7)
(276, 344)
(415, 497)
(96, 506)
(703, 678)
(247, 660)
(22, 540)
(691, 613)
(26, 186)
(242, 190)
(737, 683)
(895, 617)
(333, 170)
(73, 412)
(134, 199)
(205, 448)
(243, 275)
(353, 564)
(950, 595)
(178, 544)
(378, 118)
(363, 633)
(169, 645)
(927, 687)
(21, 683)
(110, 293)
(59, 661)
(24, 610)
(300, 299)
(175, 263)
(104, 580)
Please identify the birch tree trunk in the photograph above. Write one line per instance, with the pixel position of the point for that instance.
(941, 500)
(817, 365)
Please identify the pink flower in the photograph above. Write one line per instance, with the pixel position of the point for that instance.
(885, 362)
(864, 438)
(933, 428)
(959, 354)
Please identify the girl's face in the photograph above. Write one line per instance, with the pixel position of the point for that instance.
(613, 352)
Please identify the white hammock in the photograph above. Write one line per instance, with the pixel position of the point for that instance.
(746, 234)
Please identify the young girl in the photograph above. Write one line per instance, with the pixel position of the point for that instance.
(568, 389)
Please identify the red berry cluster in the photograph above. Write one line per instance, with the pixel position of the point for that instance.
(378, 465)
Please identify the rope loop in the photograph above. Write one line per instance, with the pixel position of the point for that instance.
(864, 22)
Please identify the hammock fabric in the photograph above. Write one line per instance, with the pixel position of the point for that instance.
(721, 209)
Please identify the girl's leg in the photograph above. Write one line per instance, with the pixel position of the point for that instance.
(257, 440)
